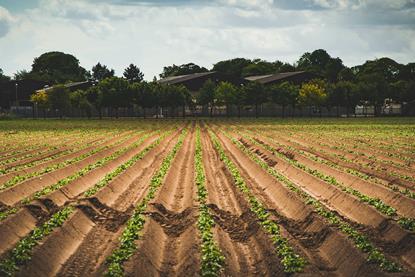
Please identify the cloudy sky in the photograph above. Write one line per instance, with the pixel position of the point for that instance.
(152, 34)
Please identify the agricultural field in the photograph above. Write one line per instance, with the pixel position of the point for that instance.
(210, 197)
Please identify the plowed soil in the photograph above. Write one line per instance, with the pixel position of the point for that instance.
(169, 244)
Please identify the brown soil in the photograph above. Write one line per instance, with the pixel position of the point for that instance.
(97, 223)
(328, 250)
(403, 204)
(13, 195)
(169, 244)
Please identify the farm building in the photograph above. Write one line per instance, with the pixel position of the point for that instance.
(20, 90)
(73, 86)
(296, 77)
(193, 82)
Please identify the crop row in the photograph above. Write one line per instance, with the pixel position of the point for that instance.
(351, 171)
(65, 181)
(77, 146)
(361, 241)
(22, 251)
(212, 258)
(20, 178)
(135, 224)
(50, 146)
(11, 264)
(20, 147)
(290, 261)
(406, 223)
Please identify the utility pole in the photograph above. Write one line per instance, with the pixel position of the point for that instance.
(17, 102)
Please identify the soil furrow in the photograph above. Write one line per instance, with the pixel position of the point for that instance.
(327, 250)
(103, 217)
(247, 249)
(171, 224)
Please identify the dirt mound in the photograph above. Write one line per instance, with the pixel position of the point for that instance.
(100, 213)
(173, 224)
(240, 228)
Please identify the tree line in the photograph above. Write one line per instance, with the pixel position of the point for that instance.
(337, 85)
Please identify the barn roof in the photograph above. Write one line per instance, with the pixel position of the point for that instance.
(265, 79)
(182, 78)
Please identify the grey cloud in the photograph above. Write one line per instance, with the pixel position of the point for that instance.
(4, 28)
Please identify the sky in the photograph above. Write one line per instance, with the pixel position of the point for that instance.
(153, 34)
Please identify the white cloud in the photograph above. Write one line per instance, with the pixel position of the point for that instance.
(121, 32)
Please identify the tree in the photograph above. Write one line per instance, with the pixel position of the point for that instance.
(206, 95)
(100, 72)
(57, 67)
(94, 96)
(143, 95)
(312, 93)
(58, 98)
(258, 67)
(346, 74)
(40, 99)
(3, 78)
(133, 74)
(177, 96)
(321, 63)
(284, 94)
(343, 93)
(183, 69)
(232, 69)
(115, 93)
(226, 94)
(79, 99)
(255, 94)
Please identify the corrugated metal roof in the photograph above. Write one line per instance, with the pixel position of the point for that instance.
(182, 78)
(263, 79)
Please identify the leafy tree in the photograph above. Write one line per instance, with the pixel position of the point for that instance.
(255, 94)
(143, 95)
(258, 67)
(177, 96)
(183, 69)
(388, 69)
(3, 78)
(373, 88)
(57, 67)
(313, 93)
(133, 74)
(407, 72)
(206, 95)
(58, 98)
(79, 99)
(346, 74)
(100, 72)
(232, 69)
(284, 94)
(321, 63)
(402, 91)
(40, 99)
(94, 97)
(343, 93)
(115, 93)
(226, 94)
